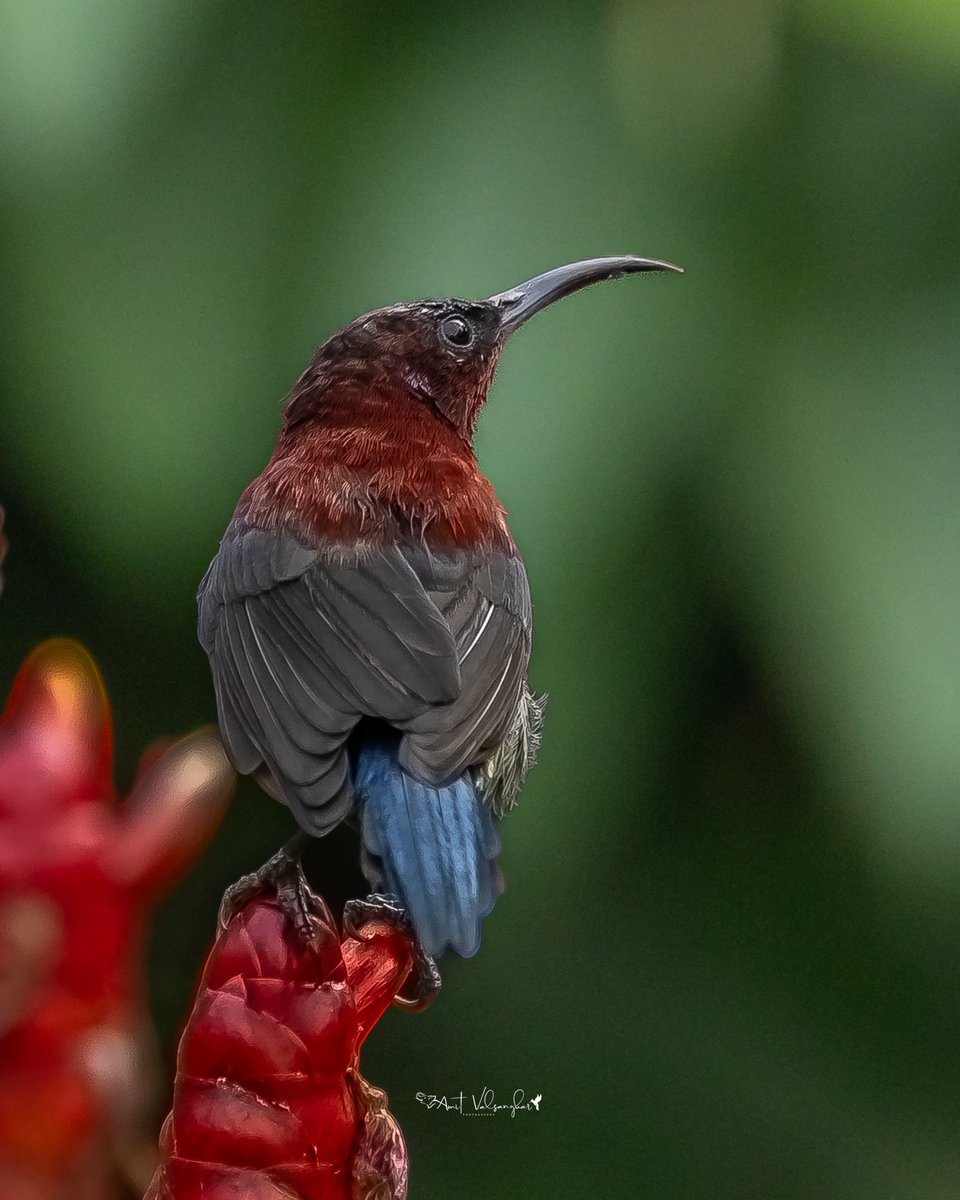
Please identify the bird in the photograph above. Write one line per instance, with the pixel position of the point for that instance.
(367, 616)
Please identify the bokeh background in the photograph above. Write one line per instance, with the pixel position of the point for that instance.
(728, 954)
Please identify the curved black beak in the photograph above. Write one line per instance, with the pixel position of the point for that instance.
(521, 302)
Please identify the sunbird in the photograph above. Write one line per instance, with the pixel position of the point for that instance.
(367, 615)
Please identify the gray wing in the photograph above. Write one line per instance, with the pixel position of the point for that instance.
(302, 645)
(485, 601)
(304, 642)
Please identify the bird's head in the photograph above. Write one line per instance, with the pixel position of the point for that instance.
(443, 352)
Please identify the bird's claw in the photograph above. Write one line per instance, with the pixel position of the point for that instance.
(378, 906)
(284, 875)
(384, 906)
(237, 896)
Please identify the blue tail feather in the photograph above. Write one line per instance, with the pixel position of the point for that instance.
(437, 848)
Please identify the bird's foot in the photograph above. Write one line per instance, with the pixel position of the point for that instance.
(283, 875)
(383, 906)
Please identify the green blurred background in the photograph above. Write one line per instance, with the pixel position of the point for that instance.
(728, 952)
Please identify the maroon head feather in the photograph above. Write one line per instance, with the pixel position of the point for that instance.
(376, 441)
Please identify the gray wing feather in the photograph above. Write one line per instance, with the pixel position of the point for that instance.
(486, 603)
(302, 645)
(304, 642)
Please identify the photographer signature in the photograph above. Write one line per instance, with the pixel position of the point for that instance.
(483, 1104)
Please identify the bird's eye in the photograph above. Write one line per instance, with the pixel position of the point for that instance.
(457, 331)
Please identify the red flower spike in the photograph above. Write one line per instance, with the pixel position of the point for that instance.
(77, 871)
(268, 1102)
